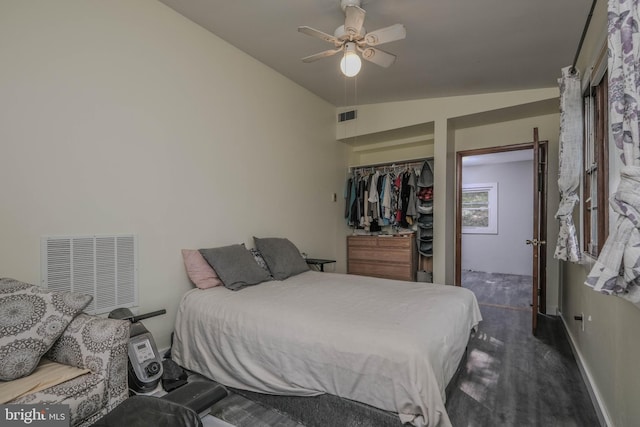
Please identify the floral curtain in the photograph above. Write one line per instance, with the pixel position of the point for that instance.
(567, 248)
(617, 270)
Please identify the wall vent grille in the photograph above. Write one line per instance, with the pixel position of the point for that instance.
(347, 115)
(105, 267)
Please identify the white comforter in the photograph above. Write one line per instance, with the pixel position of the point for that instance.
(390, 344)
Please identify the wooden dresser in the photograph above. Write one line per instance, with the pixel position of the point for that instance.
(391, 257)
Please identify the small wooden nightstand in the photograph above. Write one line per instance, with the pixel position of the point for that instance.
(319, 262)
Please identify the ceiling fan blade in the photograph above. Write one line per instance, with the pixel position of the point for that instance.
(354, 20)
(386, 35)
(378, 57)
(319, 34)
(321, 55)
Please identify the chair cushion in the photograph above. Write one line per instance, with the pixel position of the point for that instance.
(47, 374)
(85, 396)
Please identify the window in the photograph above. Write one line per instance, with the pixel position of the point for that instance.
(595, 186)
(480, 208)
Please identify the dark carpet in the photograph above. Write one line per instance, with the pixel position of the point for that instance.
(242, 412)
(511, 378)
(510, 290)
(516, 379)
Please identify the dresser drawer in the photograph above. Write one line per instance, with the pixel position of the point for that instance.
(386, 271)
(364, 241)
(395, 242)
(380, 254)
(380, 242)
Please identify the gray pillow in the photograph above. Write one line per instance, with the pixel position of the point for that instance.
(235, 266)
(282, 257)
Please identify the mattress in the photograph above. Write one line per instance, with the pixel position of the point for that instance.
(390, 344)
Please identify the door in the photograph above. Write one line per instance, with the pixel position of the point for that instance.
(538, 292)
(538, 241)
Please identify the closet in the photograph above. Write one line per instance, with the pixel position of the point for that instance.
(390, 210)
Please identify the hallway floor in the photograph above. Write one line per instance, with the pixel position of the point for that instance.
(509, 290)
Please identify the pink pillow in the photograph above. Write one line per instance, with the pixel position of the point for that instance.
(199, 270)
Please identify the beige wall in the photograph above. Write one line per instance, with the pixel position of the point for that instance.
(124, 117)
(609, 345)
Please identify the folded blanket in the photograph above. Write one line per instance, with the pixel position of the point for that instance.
(46, 375)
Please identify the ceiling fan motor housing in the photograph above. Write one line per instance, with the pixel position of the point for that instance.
(341, 34)
(346, 3)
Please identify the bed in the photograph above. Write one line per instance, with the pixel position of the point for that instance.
(390, 344)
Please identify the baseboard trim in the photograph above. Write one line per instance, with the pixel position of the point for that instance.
(594, 394)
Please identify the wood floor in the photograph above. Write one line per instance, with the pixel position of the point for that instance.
(511, 379)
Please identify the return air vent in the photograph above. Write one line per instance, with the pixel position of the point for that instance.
(347, 115)
(102, 266)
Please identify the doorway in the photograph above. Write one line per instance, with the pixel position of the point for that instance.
(496, 213)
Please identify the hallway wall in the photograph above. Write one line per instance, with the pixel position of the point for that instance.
(506, 251)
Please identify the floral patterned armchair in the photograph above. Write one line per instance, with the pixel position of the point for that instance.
(93, 343)
(88, 342)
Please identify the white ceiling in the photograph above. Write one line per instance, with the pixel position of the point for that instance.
(453, 47)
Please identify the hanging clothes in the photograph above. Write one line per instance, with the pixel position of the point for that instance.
(362, 191)
(386, 200)
(347, 198)
(411, 204)
(397, 188)
(407, 211)
(374, 197)
(382, 196)
(350, 195)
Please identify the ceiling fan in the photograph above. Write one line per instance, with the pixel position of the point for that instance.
(351, 38)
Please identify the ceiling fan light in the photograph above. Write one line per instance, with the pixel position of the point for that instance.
(350, 63)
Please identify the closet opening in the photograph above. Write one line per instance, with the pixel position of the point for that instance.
(390, 212)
